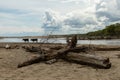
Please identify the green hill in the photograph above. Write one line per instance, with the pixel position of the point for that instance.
(111, 31)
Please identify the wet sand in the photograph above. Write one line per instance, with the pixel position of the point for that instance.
(61, 70)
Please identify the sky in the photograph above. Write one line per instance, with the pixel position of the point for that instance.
(43, 17)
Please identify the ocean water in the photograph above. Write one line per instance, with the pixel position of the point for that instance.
(62, 40)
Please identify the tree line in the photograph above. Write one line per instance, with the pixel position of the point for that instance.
(111, 31)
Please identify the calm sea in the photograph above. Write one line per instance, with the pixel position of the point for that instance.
(62, 40)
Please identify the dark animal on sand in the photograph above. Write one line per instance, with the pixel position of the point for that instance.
(26, 40)
(34, 40)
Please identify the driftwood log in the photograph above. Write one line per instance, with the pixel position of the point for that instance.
(89, 59)
(31, 61)
(107, 49)
(71, 53)
(44, 57)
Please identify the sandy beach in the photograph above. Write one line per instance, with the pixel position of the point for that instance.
(61, 70)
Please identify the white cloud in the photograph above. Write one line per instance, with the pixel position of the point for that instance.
(14, 29)
(75, 1)
(65, 16)
(102, 10)
(103, 18)
(103, 4)
(108, 9)
(6, 15)
(71, 22)
(52, 19)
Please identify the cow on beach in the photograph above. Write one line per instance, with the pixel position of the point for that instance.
(26, 40)
(34, 40)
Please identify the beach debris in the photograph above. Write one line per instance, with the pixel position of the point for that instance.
(32, 49)
(31, 61)
(51, 61)
(89, 59)
(16, 46)
(56, 47)
(118, 55)
(7, 46)
(69, 53)
(107, 48)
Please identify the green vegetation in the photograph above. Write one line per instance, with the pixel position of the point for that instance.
(112, 31)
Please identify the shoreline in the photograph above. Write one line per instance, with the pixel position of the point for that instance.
(79, 38)
(95, 47)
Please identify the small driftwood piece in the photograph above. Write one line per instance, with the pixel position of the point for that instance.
(32, 49)
(56, 48)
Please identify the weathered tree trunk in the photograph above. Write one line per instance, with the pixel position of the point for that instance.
(108, 49)
(44, 57)
(65, 54)
(89, 59)
(31, 61)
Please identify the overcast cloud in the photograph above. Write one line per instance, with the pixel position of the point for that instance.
(59, 16)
